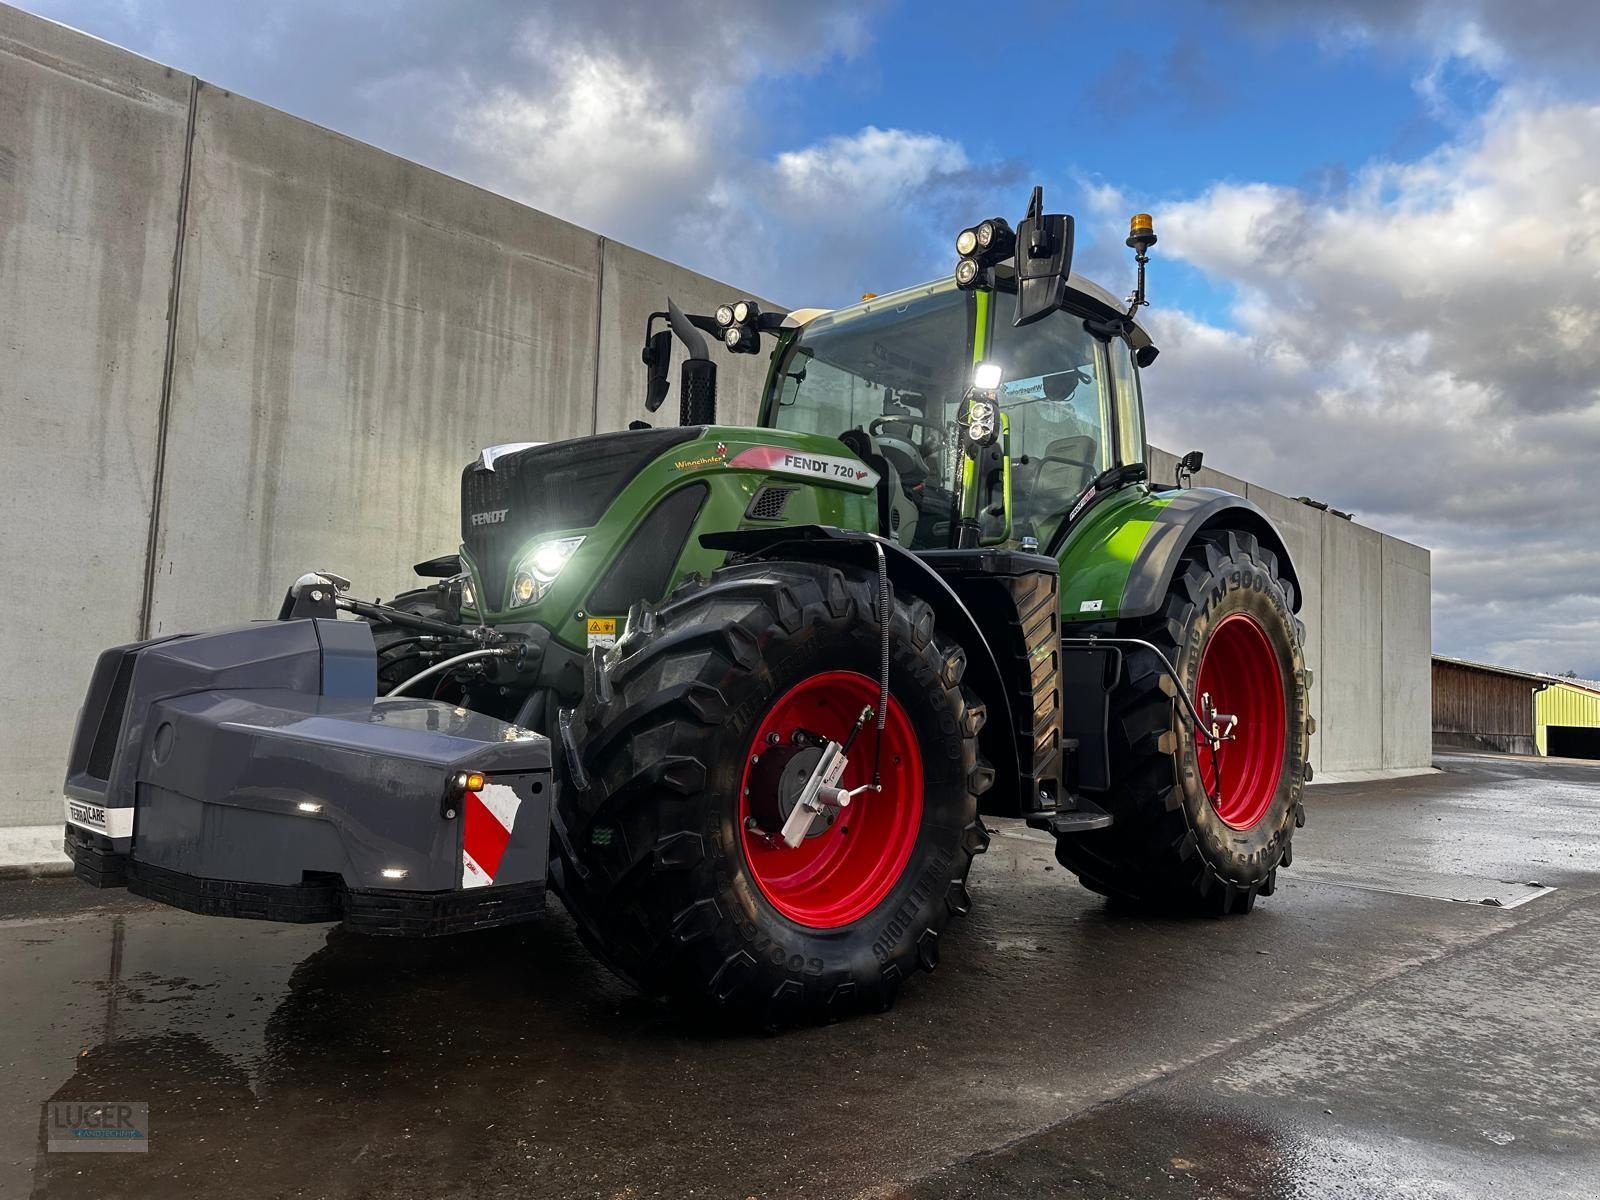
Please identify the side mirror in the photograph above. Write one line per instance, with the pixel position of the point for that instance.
(657, 356)
(1044, 261)
(1188, 465)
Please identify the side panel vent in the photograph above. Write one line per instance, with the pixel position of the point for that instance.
(769, 503)
(643, 567)
(103, 750)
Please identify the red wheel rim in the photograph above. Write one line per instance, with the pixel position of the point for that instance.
(1239, 671)
(842, 874)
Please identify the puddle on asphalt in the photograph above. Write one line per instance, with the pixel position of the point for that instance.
(1457, 889)
(1152, 1148)
(263, 1049)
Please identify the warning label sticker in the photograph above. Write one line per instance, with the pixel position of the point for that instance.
(602, 632)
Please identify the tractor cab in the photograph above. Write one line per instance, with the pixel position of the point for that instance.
(896, 378)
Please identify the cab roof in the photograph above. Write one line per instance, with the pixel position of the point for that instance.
(1084, 288)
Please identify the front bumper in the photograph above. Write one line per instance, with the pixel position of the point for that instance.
(375, 911)
(251, 773)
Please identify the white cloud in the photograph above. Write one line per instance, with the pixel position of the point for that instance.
(1503, 39)
(652, 141)
(1422, 351)
(866, 170)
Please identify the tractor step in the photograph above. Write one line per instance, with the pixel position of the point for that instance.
(1081, 818)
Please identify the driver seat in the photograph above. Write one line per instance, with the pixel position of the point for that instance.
(1058, 484)
(899, 511)
(902, 510)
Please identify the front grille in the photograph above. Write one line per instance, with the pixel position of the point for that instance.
(562, 485)
(769, 504)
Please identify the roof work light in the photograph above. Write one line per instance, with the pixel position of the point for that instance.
(981, 247)
(740, 326)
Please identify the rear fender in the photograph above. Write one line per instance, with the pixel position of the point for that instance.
(1118, 561)
(1186, 516)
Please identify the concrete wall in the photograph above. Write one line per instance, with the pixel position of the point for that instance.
(350, 329)
(91, 159)
(1407, 661)
(1365, 604)
(347, 329)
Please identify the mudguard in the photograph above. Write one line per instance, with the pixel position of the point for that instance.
(1118, 560)
(252, 772)
(1187, 514)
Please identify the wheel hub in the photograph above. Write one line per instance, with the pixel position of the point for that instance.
(776, 782)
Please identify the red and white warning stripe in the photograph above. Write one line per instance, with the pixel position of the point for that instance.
(488, 817)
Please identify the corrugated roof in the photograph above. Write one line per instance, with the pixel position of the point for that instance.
(1587, 685)
(1530, 676)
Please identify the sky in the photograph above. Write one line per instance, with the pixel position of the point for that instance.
(1378, 279)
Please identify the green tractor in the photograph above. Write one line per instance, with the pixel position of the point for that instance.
(778, 673)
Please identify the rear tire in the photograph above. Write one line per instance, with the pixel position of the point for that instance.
(1188, 832)
(675, 892)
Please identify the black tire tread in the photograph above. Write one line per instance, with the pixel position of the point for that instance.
(1151, 855)
(650, 905)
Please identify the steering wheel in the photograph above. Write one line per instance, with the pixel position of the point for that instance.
(1029, 500)
(875, 428)
(1071, 462)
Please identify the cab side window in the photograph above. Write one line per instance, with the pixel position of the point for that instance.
(1129, 402)
(1056, 399)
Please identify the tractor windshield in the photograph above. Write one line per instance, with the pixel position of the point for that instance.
(896, 368)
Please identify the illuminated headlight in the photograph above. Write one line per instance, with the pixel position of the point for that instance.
(980, 422)
(725, 314)
(996, 239)
(539, 569)
(469, 598)
(987, 376)
(966, 242)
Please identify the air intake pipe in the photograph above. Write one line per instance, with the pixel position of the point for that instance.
(697, 382)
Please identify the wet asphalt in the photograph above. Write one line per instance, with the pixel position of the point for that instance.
(1373, 1030)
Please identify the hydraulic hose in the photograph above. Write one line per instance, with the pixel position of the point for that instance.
(883, 662)
(496, 652)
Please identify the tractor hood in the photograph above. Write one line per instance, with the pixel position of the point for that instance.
(509, 498)
(569, 534)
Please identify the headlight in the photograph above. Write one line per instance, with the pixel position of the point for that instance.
(745, 311)
(469, 598)
(980, 422)
(539, 569)
(966, 242)
(725, 314)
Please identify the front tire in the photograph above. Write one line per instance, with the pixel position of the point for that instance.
(398, 645)
(1193, 828)
(672, 880)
